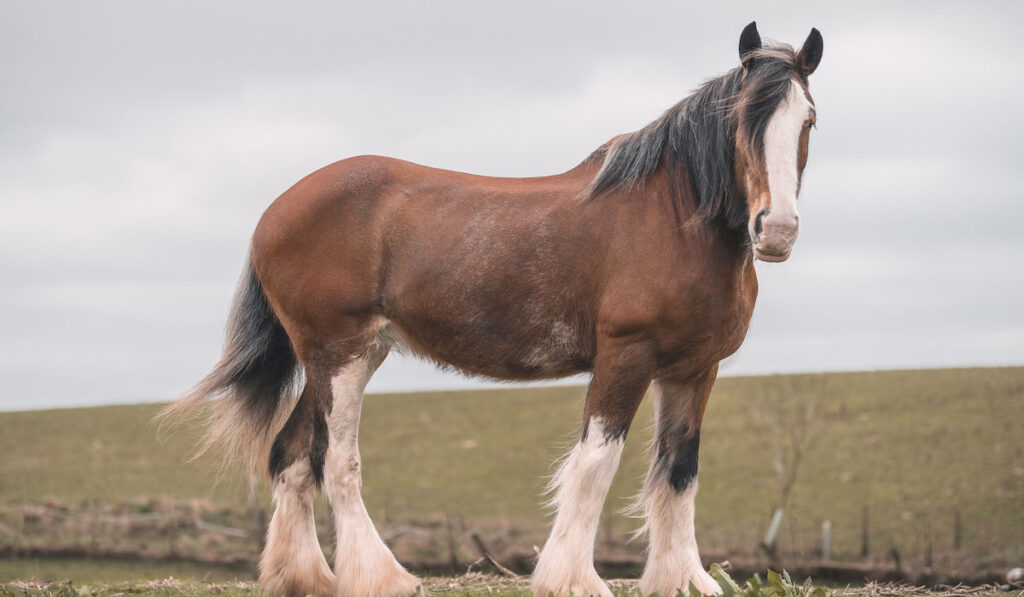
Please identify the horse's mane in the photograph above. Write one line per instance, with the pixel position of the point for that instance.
(696, 138)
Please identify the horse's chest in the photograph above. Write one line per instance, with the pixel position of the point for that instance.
(706, 328)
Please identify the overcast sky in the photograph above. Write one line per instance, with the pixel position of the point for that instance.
(141, 141)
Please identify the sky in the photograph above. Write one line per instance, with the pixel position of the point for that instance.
(141, 141)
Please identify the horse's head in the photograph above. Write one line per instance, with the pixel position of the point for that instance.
(774, 113)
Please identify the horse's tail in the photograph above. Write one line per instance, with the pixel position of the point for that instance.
(253, 383)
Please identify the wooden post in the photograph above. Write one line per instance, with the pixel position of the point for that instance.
(864, 532)
(453, 559)
(958, 533)
(826, 540)
(773, 531)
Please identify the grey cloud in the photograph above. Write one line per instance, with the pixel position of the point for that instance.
(139, 144)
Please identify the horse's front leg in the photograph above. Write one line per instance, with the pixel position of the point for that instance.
(671, 486)
(622, 372)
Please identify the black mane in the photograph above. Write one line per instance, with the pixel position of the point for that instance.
(699, 134)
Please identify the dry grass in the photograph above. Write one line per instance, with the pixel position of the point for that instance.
(470, 585)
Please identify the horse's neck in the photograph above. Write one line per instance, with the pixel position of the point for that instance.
(678, 200)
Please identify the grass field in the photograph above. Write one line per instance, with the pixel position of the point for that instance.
(474, 585)
(918, 449)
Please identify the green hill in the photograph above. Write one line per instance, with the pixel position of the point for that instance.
(935, 459)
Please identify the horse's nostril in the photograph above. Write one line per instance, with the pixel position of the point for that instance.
(758, 225)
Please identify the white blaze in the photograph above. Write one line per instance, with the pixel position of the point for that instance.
(781, 144)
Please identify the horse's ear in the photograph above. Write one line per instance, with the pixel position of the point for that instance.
(810, 55)
(750, 40)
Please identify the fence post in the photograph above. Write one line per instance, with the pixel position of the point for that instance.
(958, 533)
(864, 532)
(826, 540)
(773, 530)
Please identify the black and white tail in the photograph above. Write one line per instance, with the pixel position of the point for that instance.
(254, 383)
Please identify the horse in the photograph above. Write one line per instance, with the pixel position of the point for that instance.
(636, 266)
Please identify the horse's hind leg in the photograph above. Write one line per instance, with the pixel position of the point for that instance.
(364, 565)
(293, 563)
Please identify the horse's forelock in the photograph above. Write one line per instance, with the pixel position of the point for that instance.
(764, 88)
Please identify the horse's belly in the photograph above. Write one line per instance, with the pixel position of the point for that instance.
(500, 348)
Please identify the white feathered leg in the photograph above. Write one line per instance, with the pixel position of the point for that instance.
(293, 563)
(673, 561)
(363, 564)
(566, 564)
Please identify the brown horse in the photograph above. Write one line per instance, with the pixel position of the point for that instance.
(636, 265)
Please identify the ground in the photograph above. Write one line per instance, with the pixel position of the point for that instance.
(473, 585)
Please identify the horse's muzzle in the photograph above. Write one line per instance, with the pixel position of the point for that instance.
(773, 235)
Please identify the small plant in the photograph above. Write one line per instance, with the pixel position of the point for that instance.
(777, 585)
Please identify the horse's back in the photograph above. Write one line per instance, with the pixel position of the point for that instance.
(366, 186)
